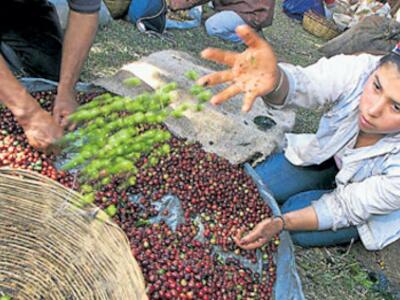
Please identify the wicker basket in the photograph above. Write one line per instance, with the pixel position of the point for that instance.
(319, 26)
(53, 248)
(117, 8)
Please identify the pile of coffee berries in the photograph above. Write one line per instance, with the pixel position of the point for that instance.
(181, 263)
(178, 266)
(222, 196)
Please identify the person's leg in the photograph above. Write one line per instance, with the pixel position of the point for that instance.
(284, 179)
(35, 37)
(317, 238)
(223, 25)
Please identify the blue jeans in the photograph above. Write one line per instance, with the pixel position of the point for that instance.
(296, 187)
(194, 13)
(223, 25)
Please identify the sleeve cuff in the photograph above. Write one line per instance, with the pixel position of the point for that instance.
(87, 8)
(292, 88)
(325, 219)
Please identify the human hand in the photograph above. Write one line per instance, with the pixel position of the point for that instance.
(64, 105)
(41, 130)
(253, 72)
(261, 234)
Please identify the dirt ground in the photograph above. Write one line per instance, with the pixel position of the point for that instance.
(326, 273)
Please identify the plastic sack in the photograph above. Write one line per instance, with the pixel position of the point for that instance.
(63, 11)
(358, 12)
(194, 13)
(39, 85)
(296, 8)
(288, 283)
(368, 8)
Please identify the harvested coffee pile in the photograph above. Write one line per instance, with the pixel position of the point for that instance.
(179, 215)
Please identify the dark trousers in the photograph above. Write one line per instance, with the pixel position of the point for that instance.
(31, 38)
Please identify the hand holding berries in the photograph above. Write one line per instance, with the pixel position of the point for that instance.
(262, 233)
(41, 130)
(64, 105)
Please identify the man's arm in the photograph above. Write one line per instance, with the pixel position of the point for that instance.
(78, 39)
(40, 128)
(15, 96)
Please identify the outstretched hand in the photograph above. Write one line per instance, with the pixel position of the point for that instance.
(253, 72)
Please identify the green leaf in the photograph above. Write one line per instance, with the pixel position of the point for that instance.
(117, 105)
(111, 210)
(125, 165)
(177, 114)
(132, 81)
(192, 75)
(196, 89)
(88, 198)
(161, 271)
(169, 87)
(153, 161)
(142, 222)
(183, 107)
(85, 188)
(132, 180)
(165, 149)
(199, 107)
(151, 117)
(106, 180)
(204, 96)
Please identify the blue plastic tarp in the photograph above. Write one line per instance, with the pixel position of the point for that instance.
(288, 284)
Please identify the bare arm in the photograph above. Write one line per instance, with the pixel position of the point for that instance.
(303, 219)
(40, 128)
(15, 96)
(78, 39)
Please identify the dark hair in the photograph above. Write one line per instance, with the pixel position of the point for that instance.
(391, 57)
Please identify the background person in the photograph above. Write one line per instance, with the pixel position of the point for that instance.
(230, 14)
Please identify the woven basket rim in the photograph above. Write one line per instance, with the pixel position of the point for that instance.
(320, 19)
(319, 26)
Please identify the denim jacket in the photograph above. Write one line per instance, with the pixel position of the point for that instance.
(368, 184)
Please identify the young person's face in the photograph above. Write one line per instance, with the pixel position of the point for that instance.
(380, 102)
